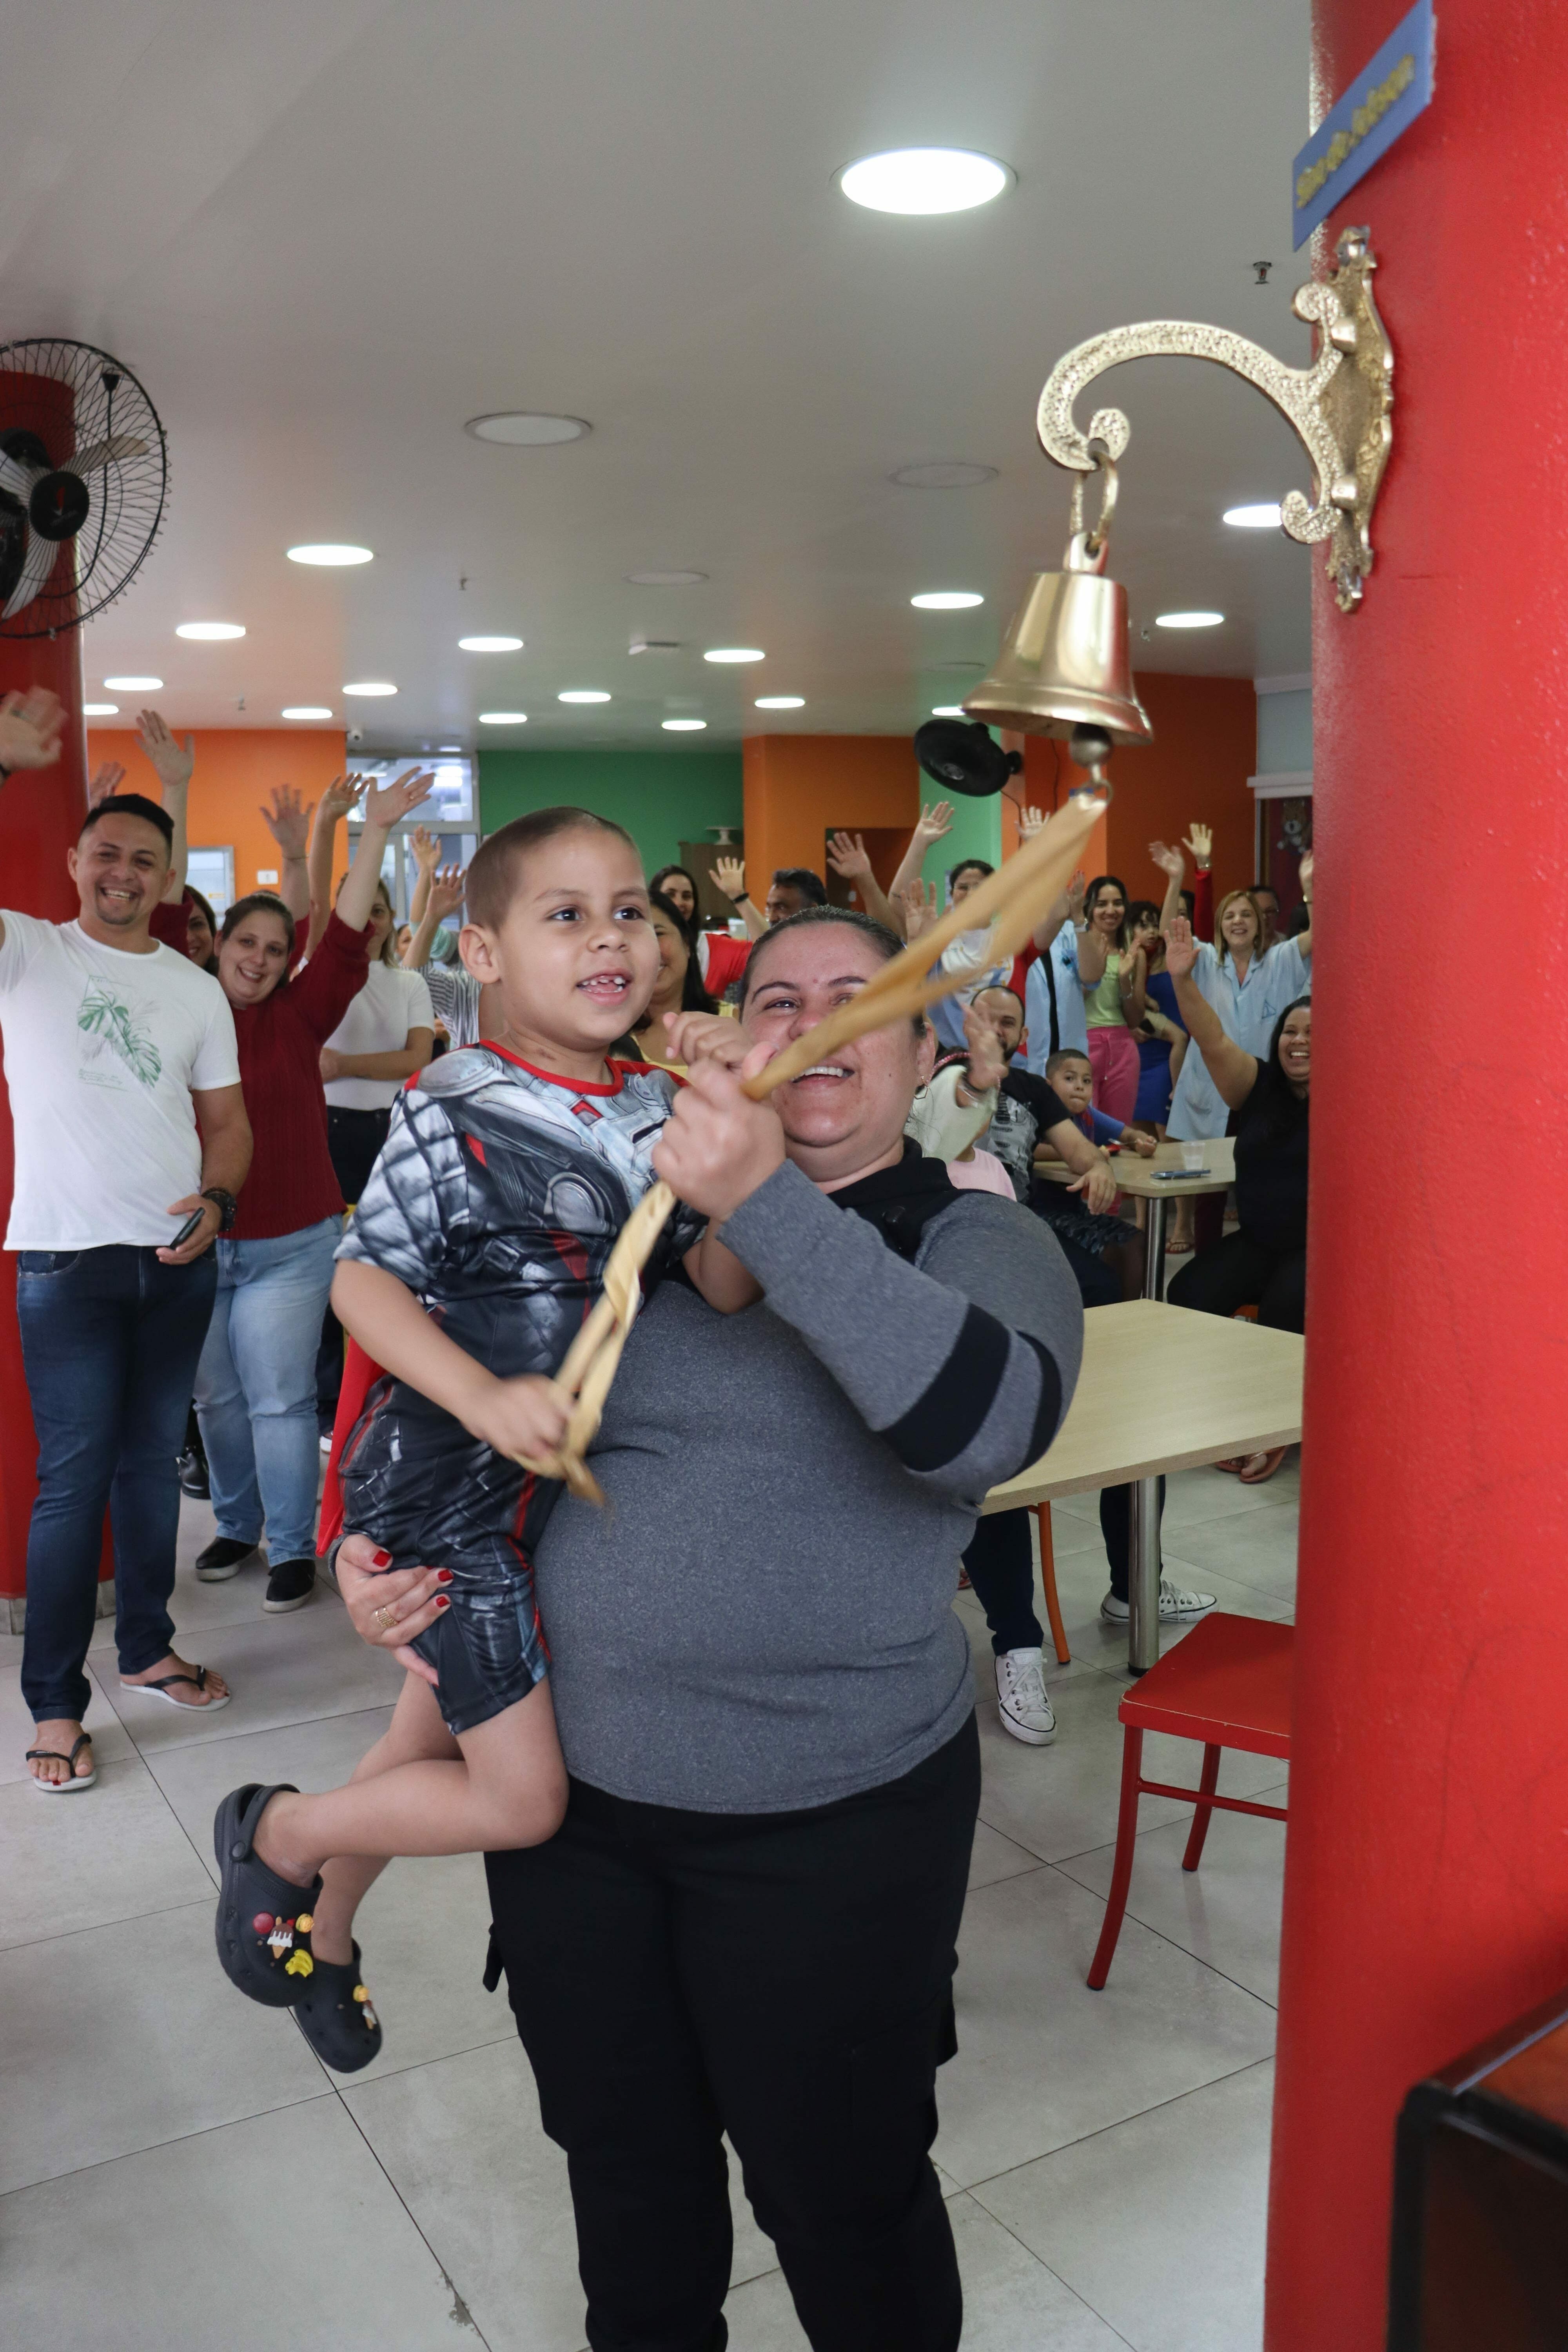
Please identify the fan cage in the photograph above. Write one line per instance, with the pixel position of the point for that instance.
(96, 567)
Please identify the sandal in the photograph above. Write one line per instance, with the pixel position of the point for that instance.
(335, 2016)
(263, 1923)
(1270, 1462)
(162, 1688)
(1236, 1463)
(73, 1779)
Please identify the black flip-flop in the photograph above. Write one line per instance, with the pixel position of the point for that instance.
(164, 1688)
(73, 1779)
(335, 2016)
(263, 1923)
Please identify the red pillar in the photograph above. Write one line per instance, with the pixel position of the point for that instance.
(1426, 1873)
(39, 816)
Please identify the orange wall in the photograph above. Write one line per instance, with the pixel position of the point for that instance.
(236, 770)
(797, 785)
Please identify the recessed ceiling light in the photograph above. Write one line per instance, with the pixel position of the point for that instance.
(779, 702)
(209, 632)
(371, 685)
(526, 428)
(666, 579)
(329, 552)
(683, 726)
(133, 685)
(307, 710)
(946, 600)
(583, 694)
(735, 654)
(925, 180)
(489, 644)
(949, 710)
(941, 477)
(100, 710)
(1188, 620)
(448, 747)
(501, 718)
(1260, 517)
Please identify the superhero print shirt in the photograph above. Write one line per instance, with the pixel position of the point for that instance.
(497, 1200)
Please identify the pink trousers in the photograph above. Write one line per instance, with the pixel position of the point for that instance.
(1113, 1058)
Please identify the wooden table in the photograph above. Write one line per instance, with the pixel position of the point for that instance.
(1140, 1177)
(1162, 1389)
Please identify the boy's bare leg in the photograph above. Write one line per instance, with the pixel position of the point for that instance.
(508, 1789)
(416, 1732)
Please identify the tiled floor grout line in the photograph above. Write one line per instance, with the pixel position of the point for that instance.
(974, 2187)
(461, 2312)
(174, 2140)
(1164, 1936)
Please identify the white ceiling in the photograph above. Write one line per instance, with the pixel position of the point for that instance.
(325, 232)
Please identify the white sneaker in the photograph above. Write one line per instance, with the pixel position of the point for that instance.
(326, 1442)
(1173, 1602)
(1021, 1696)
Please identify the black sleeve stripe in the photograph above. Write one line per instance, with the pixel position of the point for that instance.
(1047, 1419)
(946, 1418)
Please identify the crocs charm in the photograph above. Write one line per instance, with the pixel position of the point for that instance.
(304, 1922)
(281, 1939)
(263, 1923)
(300, 1964)
(361, 1995)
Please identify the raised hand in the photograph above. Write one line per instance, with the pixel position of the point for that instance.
(1180, 948)
(730, 874)
(1077, 892)
(848, 856)
(341, 795)
(446, 887)
(1200, 841)
(172, 760)
(921, 908)
(427, 848)
(30, 726)
(1304, 876)
(390, 804)
(288, 820)
(935, 821)
(1169, 861)
(106, 780)
(988, 1062)
(1031, 821)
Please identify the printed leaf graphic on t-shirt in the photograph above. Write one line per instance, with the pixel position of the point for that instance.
(112, 1024)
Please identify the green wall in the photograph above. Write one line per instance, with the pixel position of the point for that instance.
(662, 798)
(977, 833)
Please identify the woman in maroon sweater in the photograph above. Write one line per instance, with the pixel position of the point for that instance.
(256, 1383)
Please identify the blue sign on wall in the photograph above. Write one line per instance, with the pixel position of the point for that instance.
(1383, 101)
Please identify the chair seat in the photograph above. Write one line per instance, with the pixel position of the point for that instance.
(1226, 1683)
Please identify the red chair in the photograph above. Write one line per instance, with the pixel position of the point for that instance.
(1227, 1683)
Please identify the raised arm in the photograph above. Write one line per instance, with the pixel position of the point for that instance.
(384, 808)
(934, 822)
(172, 764)
(1303, 940)
(289, 823)
(30, 729)
(1200, 841)
(851, 861)
(1173, 866)
(730, 874)
(334, 804)
(443, 896)
(427, 848)
(1234, 1072)
(1133, 981)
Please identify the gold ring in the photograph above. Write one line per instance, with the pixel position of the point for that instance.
(386, 1619)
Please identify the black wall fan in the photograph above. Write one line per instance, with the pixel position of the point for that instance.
(84, 467)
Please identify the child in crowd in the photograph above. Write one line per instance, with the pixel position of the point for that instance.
(1120, 1246)
(476, 1252)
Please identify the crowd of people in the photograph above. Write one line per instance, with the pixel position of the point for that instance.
(726, 1790)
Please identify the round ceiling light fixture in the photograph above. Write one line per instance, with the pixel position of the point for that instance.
(779, 702)
(306, 710)
(100, 710)
(735, 654)
(133, 685)
(683, 726)
(946, 600)
(583, 694)
(664, 578)
(925, 180)
(1260, 517)
(1188, 620)
(504, 719)
(489, 644)
(371, 685)
(332, 554)
(526, 428)
(942, 476)
(209, 632)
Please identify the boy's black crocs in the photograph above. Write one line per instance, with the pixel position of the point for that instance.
(263, 1921)
(334, 2014)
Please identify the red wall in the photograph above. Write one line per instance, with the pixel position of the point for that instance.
(1427, 1874)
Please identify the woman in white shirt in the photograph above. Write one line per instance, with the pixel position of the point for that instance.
(1249, 992)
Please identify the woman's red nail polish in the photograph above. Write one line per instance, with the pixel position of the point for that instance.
(382, 1559)
(442, 1576)
(442, 1601)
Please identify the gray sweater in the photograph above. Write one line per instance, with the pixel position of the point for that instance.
(762, 1618)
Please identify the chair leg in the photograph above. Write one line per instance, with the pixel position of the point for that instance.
(1207, 1783)
(1122, 1873)
(1049, 1578)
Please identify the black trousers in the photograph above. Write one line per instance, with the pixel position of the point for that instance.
(1000, 1562)
(1240, 1272)
(786, 1978)
(353, 1139)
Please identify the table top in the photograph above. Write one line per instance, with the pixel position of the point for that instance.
(1164, 1388)
(1136, 1175)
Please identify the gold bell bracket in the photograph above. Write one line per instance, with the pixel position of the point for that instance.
(1341, 406)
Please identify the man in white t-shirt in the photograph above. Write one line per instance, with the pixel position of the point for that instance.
(129, 1124)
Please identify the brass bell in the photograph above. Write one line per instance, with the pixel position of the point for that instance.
(1064, 661)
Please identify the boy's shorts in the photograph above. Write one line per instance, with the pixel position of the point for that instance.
(486, 1646)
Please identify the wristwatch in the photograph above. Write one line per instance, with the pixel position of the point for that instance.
(225, 1205)
(739, 897)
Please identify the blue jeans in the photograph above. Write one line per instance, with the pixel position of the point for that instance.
(256, 1387)
(110, 1342)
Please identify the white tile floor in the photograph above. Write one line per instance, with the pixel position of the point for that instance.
(178, 2173)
